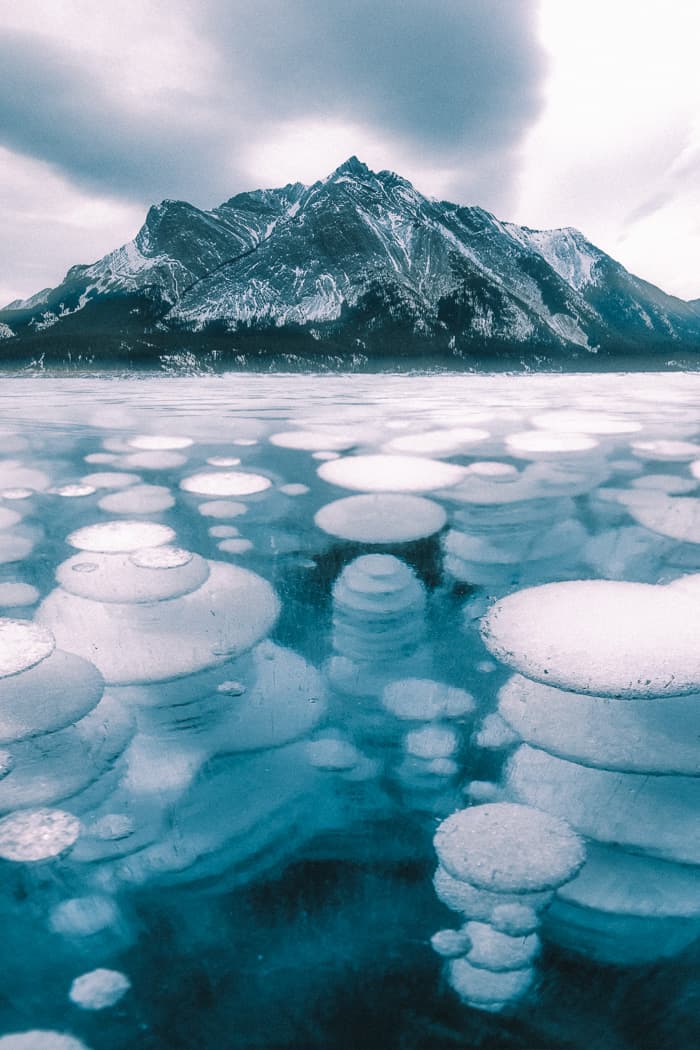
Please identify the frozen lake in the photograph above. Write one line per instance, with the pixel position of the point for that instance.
(342, 711)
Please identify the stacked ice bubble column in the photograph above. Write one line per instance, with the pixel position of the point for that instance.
(432, 720)
(500, 865)
(176, 639)
(607, 708)
(63, 738)
(508, 527)
(379, 625)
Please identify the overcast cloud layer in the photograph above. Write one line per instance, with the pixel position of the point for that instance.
(107, 108)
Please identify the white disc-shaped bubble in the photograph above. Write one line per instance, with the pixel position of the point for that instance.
(110, 480)
(16, 493)
(390, 473)
(14, 548)
(224, 461)
(658, 736)
(138, 499)
(478, 985)
(315, 440)
(31, 835)
(154, 460)
(438, 442)
(381, 518)
(421, 699)
(671, 484)
(159, 442)
(532, 444)
(505, 847)
(671, 451)
(582, 422)
(113, 537)
(15, 593)
(48, 696)
(431, 742)
(495, 950)
(154, 641)
(493, 470)
(22, 645)
(225, 483)
(222, 509)
(143, 576)
(677, 517)
(8, 518)
(603, 637)
(83, 916)
(99, 989)
(294, 489)
(41, 1039)
(235, 546)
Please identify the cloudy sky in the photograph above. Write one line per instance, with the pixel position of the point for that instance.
(548, 112)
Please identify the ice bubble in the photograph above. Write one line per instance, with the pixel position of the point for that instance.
(495, 734)
(677, 517)
(14, 548)
(31, 835)
(421, 699)
(483, 791)
(84, 916)
(22, 645)
(244, 441)
(571, 421)
(231, 688)
(223, 532)
(154, 460)
(495, 950)
(151, 642)
(325, 455)
(110, 480)
(517, 919)
(14, 593)
(505, 847)
(315, 440)
(221, 508)
(143, 576)
(73, 491)
(652, 814)
(161, 558)
(533, 444)
(494, 470)
(657, 736)
(8, 518)
(117, 537)
(14, 476)
(41, 1039)
(436, 442)
(671, 451)
(450, 943)
(332, 753)
(391, 473)
(228, 483)
(99, 989)
(138, 499)
(48, 696)
(101, 457)
(381, 518)
(671, 484)
(431, 742)
(294, 489)
(224, 461)
(477, 985)
(603, 637)
(159, 442)
(17, 493)
(235, 546)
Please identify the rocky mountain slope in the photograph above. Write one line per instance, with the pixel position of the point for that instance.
(358, 262)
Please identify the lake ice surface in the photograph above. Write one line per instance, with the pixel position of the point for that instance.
(343, 711)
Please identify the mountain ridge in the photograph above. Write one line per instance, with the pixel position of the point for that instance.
(357, 262)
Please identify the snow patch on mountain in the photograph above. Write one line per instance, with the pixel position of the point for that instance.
(567, 251)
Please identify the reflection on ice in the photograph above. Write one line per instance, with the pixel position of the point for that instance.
(288, 645)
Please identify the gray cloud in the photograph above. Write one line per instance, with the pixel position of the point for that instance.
(455, 83)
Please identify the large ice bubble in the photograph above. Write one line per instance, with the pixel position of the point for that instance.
(381, 518)
(381, 473)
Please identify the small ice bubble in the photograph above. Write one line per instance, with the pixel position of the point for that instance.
(224, 461)
(325, 455)
(111, 480)
(231, 688)
(37, 834)
(450, 943)
(165, 557)
(332, 753)
(244, 441)
(159, 442)
(221, 508)
(83, 916)
(294, 489)
(16, 493)
(112, 827)
(84, 566)
(431, 742)
(99, 989)
(235, 546)
(223, 532)
(15, 593)
(73, 491)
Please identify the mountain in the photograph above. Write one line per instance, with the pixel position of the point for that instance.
(359, 262)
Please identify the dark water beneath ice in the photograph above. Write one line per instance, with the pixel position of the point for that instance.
(259, 781)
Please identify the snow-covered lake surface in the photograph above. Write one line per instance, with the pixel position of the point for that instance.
(350, 711)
